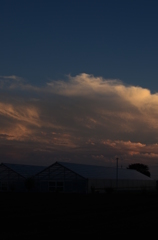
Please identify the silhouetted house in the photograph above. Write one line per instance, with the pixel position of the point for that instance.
(13, 177)
(71, 177)
(60, 178)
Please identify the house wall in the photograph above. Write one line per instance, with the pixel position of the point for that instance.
(10, 180)
(57, 178)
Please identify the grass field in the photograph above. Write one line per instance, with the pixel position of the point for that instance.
(37, 216)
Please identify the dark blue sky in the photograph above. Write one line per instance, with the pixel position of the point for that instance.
(43, 40)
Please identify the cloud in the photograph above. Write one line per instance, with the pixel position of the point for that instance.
(124, 108)
(81, 116)
(16, 83)
(83, 84)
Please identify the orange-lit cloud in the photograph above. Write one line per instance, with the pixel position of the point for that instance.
(84, 115)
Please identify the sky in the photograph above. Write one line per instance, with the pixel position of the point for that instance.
(78, 82)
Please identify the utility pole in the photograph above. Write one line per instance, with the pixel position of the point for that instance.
(117, 173)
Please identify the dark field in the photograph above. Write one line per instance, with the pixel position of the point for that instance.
(43, 216)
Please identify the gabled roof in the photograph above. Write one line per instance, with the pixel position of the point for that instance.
(102, 172)
(24, 170)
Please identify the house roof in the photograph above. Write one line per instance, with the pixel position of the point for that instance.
(86, 171)
(102, 172)
(24, 170)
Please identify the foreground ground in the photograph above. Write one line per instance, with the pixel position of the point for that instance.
(39, 216)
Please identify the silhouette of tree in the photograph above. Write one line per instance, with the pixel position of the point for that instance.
(140, 167)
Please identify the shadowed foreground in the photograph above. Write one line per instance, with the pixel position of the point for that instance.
(36, 216)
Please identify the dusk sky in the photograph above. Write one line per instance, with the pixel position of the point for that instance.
(79, 82)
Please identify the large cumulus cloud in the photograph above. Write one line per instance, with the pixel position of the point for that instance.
(88, 118)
